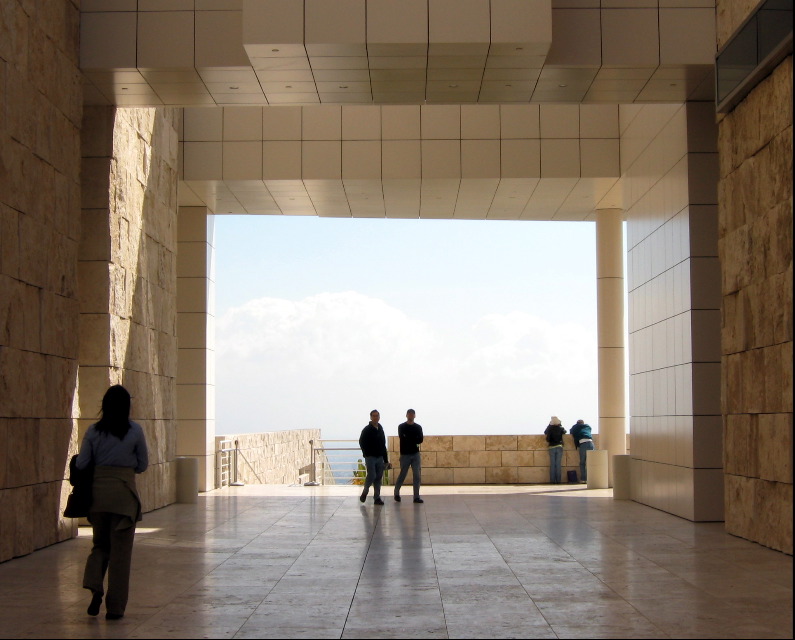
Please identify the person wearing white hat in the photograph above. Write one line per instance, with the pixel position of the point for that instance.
(554, 433)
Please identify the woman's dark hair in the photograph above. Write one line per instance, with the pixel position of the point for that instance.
(115, 418)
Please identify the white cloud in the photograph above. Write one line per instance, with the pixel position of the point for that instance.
(328, 359)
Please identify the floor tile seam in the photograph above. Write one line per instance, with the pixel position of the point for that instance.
(640, 613)
(672, 573)
(427, 530)
(485, 531)
(287, 567)
(549, 623)
(361, 569)
(502, 557)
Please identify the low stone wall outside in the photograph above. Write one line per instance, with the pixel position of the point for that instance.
(487, 459)
(273, 457)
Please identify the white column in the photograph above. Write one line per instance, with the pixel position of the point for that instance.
(196, 341)
(610, 326)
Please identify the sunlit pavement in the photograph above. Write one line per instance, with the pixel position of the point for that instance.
(279, 561)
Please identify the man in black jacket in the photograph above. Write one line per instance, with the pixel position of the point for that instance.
(410, 435)
(373, 445)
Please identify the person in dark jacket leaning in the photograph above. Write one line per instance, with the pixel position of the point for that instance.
(410, 436)
(116, 448)
(583, 442)
(373, 445)
(554, 433)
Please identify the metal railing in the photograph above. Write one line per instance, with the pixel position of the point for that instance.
(338, 465)
(226, 457)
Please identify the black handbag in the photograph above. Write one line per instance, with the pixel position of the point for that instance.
(78, 503)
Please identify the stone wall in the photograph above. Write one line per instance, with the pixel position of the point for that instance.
(127, 273)
(272, 457)
(486, 459)
(755, 144)
(40, 110)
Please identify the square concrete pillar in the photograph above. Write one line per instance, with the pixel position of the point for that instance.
(195, 335)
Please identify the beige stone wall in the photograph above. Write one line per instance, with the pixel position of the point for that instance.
(486, 459)
(755, 196)
(273, 457)
(40, 106)
(127, 273)
(730, 15)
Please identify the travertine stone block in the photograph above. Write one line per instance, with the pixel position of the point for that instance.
(8, 523)
(786, 375)
(60, 379)
(20, 314)
(730, 15)
(501, 443)
(773, 520)
(517, 459)
(20, 395)
(485, 458)
(774, 382)
(452, 459)
(532, 475)
(437, 443)
(59, 331)
(94, 291)
(774, 447)
(436, 475)
(737, 434)
(472, 475)
(781, 314)
(427, 458)
(34, 233)
(24, 509)
(9, 241)
(5, 423)
(760, 510)
(755, 380)
(502, 475)
(530, 443)
(95, 177)
(469, 443)
(57, 443)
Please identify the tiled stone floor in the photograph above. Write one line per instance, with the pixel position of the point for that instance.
(489, 562)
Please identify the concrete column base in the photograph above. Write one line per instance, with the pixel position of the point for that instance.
(596, 466)
(622, 477)
(187, 480)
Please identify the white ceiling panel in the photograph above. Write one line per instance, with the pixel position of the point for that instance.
(547, 198)
(299, 63)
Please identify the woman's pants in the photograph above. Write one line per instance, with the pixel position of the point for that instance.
(111, 553)
(555, 458)
(375, 471)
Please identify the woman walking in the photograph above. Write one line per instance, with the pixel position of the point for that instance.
(116, 447)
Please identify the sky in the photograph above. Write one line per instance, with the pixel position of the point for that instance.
(480, 326)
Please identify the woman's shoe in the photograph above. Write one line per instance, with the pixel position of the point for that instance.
(96, 601)
(114, 616)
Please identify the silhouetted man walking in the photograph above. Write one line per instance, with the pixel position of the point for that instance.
(373, 445)
(410, 435)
